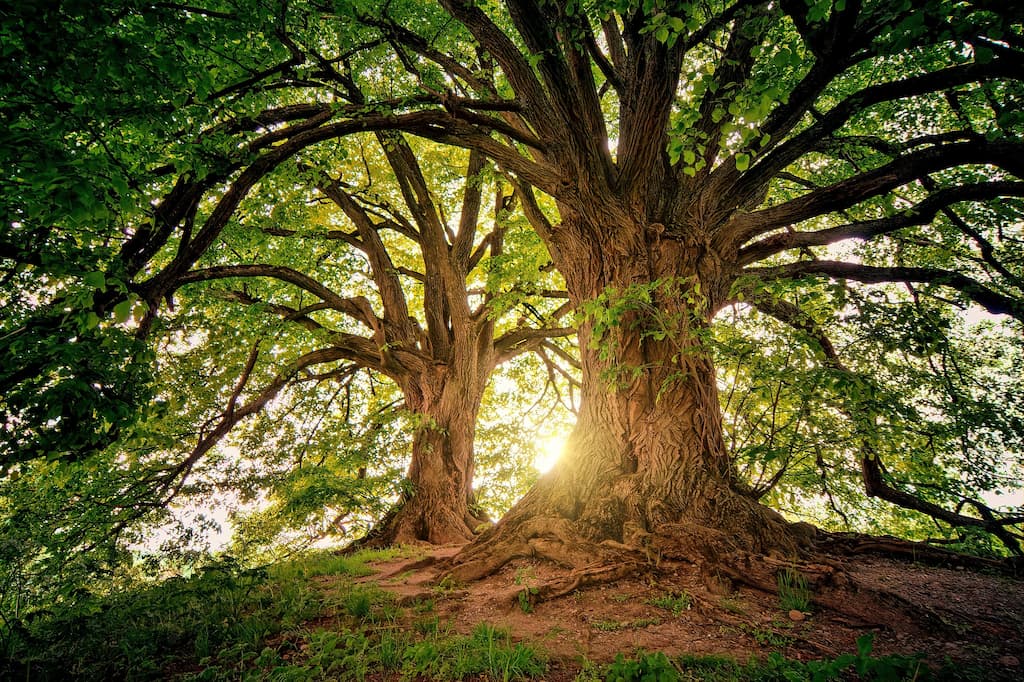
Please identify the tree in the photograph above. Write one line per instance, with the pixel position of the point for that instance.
(244, 134)
(442, 355)
(697, 152)
(675, 158)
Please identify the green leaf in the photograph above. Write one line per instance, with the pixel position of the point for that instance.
(742, 162)
(122, 311)
(96, 280)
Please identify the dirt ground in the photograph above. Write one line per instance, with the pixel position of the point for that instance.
(947, 614)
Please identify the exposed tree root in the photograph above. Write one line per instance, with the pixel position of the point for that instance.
(722, 559)
(850, 544)
(723, 562)
(552, 539)
(403, 524)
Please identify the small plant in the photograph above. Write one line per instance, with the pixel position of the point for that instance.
(619, 598)
(794, 592)
(358, 604)
(767, 637)
(613, 625)
(525, 597)
(607, 625)
(427, 626)
(589, 671)
(424, 606)
(646, 667)
(732, 605)
(676, 603)
(447, 585)
(524, 576)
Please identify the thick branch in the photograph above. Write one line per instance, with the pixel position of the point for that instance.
(993, 301)
(521, 341)
(393, 361)
(920, 214)
(535, 102)
(358, 308)
(425, 123)
(849, 192)
(786, 153)
(385, 276)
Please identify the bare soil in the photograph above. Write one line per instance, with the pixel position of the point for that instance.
(970, 618)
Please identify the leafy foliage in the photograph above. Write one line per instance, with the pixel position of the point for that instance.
(230, 623)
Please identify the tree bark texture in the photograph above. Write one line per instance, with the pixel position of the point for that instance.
(438, 506)
(645, 473)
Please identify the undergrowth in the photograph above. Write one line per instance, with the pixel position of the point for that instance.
(275, 623)
(280, 624)
(657, 667)
(794, 591)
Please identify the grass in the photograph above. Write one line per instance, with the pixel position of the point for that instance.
(488, 651)
(794, 592)
(676, 603)
(767, 637)
(860, 665)
(732, 605)
(227, 623)
(330, 563)
(635, 624)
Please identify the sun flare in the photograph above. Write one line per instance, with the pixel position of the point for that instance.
(549, 450)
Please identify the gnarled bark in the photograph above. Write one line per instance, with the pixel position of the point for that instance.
(438, 505)
(646, 474)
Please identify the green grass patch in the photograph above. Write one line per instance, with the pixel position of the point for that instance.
(657, 667)
(331, 563)
(674, 602)
(221, 617)
(613, 625)
(226, 623)
(794, 592)
(767, 637)
(488, 650)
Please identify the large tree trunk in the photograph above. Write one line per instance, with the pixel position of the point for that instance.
(438, 506)
(645, 472)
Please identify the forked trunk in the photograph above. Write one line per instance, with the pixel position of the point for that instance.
(645, 472)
